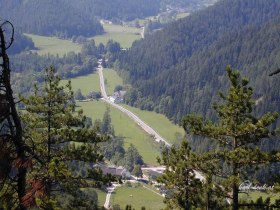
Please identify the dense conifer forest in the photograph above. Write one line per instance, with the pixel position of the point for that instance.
(180, 69)
(67, 18)
(49, 17)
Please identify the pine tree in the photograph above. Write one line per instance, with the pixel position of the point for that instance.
(59, 140)
(237, 133)
(180, 178)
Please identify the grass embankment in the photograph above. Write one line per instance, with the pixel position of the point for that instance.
(53, 45)
(124, 35)
(137, 197)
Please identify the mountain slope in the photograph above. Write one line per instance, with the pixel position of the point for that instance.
(180, 69)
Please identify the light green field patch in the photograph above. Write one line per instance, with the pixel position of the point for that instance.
(182, 15)
(254, 195)
(86, 83)
(159, 123)
(112, 79)
(53, 45)
(100, 194)
(112, 28)
(137, 197)
(125, 127)
(124, 35)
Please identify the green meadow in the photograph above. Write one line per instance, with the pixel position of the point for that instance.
(86, 83)
(182, 15)
(254, 195)
(137, 197)
(124, 127)
(112, 79)
(159, 123)
(122, 34)
(101, 196)
(53, 45)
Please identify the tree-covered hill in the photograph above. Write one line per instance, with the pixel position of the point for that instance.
(125, 10)
(67, 18)
(49, 17)
(180, 69)
(117, 9)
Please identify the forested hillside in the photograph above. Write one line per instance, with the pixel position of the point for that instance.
(128, 10)
(49, 17)
(117, 9)
(180, 69)
(67, 18)
(187, 3)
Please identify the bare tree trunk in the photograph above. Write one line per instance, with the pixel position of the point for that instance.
(13, 118)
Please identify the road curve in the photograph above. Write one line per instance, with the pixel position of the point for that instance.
(130, 114)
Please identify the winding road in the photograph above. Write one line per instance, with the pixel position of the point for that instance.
(130, 114)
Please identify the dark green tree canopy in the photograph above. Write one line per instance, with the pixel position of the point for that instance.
(58, 137)
(237, 133)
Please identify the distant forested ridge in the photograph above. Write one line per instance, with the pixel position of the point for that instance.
(180, 69)
(67, 18)
(118, 9)
(49, 17)
(191, 4)
(126, 10)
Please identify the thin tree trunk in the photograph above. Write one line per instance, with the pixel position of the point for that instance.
(15, 125)
(235, 190)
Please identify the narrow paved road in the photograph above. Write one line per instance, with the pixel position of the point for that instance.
(108, 196)
(143, 32)
(130, 114)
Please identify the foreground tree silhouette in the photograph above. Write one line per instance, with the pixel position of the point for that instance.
(13, 151)
(237, 133)
(59, 140)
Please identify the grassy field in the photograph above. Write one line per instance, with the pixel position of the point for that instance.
(137, 197)
(100, 194)
(86, 83)
(182, 15)
(125, 127)
(254, 195)
(112, 79)
(159, 122)
(124, 35)
(53, 45)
